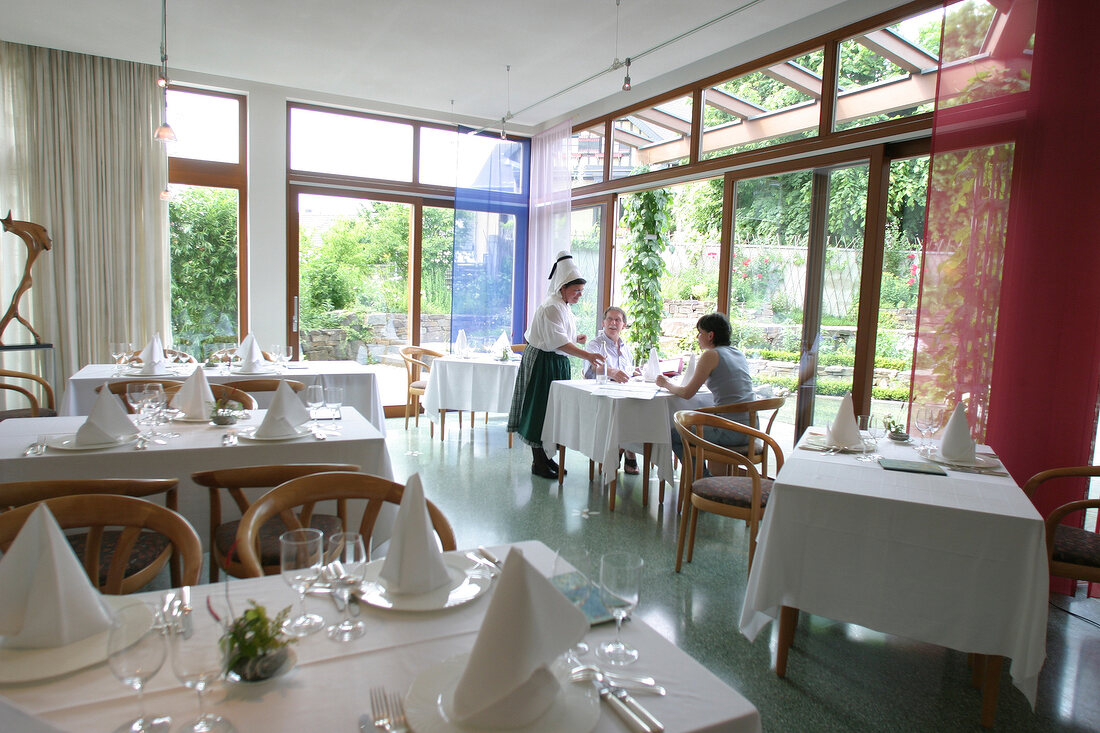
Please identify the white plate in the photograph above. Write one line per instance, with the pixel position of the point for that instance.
(250, 434)
(31, 665)
(978, 462)
(191, 419)
(238, 370)
(139, 373)
(819, 442)
(468, 581)
(68, 442)
(429, 703)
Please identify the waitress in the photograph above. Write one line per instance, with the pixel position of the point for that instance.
(551, 337)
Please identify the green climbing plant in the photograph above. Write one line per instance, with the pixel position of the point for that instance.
(648, 217)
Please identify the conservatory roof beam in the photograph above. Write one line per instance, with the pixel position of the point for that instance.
(896, 49)
(629, 138)
(730, 104)
(664, 119)
(795, 76)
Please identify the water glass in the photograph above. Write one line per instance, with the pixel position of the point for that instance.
(347, 556)
(198, 661)
(334, 399)
(927, 420)
(120, 350)
(135, 653)
(863, 422)
(300, 557)
(315, 397)
(620, 586)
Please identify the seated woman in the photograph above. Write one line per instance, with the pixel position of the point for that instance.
(725, 371)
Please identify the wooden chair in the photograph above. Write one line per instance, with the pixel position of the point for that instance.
(302, 493)
(119, 388)
(414, 368)
(518, 348)
(228, 354)
(183, 357)
(223, 392)
(266, 385)
(235, 481)
(96, 512)
(35, 409)
(1072, 552)
(743, 496)
(151, 551)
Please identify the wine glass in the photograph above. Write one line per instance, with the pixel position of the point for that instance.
(198, 661)
(926, 420)
(620, 585)
(276, 352)
(863, 422)
(135, 652)
(135, 396)
(572, 576)
(334, 398)
(347, 556)
(120, 349)
(300, 563)
(315, 397)
(878, 430)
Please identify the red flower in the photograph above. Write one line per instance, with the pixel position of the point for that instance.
(913, 269)
(910, 281)
(911, 256)
(766, 260)
(745, 262)
(759, 276)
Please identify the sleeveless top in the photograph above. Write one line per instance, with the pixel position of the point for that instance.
(730, 381)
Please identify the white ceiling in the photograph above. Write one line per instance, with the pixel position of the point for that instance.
(419, 55)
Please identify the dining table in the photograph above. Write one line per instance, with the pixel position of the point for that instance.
(479, 383)
(201, 446)
(600, 419)
(328, 688)
(359, 382)
(956, 560)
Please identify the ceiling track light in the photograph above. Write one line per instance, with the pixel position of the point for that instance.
(164, 133)
(626, 79)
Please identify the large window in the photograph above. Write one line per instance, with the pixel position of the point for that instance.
(351, 145)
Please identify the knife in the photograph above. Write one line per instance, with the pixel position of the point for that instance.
(655, 726)
(485, 553)
(621, 709)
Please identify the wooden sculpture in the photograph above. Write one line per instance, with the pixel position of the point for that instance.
(37, 240)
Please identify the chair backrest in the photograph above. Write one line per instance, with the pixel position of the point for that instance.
(1060, 568)
(414, 361)
(266, 385)
(518, 348)
(182, 356)
(47, 390)
(18, 493)
(221, 392)
(755, 452)
(119, 388)
(99, 511)
(228, 354)
(302, 493)
(690, 423)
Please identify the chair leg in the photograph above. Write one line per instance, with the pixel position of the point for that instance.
(680, 543)
(213, 568)
(416, 408)
(591, 469)
(486, 418)
(509, 440)
(561, 465)
(647, 456)
(611, 493)
(408, 410)
(460, 419)
(691, 532)
(661, 490)
(443, 423)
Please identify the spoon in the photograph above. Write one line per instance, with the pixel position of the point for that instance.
(639, 683)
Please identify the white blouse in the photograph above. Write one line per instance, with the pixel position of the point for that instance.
(553, 326)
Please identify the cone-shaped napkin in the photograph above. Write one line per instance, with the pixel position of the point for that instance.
(48, 600)
(284, 416)
(653, 366)
(462, 347)
(414, 562)
(502, 343)
(508, 683)
(689, 372)
(152, 356)
(957, 445)
(844, 432)
(195, 398)
(252, 357)
(106, 423)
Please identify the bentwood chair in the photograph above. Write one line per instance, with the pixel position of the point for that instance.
(151, 550)
(235, 481)
(266, 385)
(35, 408)
(755, 451)
(741, 496)
(302, 493)
(119, 388)
(415, 368)
(228, 354)
(97, 512)
(1072, 552)
(223, 393)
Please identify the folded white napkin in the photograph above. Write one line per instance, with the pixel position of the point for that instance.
(414, 561)
(462, 347)
(653, 366)
(48, 600)
(152, 357)
(252, 357)
(956, 444)
(844, 433)
(689, 372)
(507, 682)
(502, 343)
(285, 414)
(194, 398)
(106, 423)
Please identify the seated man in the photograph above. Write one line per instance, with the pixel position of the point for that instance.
(619, 360)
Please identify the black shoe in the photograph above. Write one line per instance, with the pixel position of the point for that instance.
(630, 466)
(544, 471)
(554, 466)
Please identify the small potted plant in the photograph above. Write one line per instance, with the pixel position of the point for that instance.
(226, 412)
(254, 645)
(895, 430)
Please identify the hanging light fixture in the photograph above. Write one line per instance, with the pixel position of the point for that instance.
(626, 79)
(164, 133)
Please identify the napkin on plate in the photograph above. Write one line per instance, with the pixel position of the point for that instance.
(414, 560)
(502, 343)
(152, 356)
(844, 433)
(462, 347)
(507, 682)
(48, 600)
(252, 357)
(285, 415)
(195, 397)
(689, 372)
(653, 366)
(106, 423)
(957, 445)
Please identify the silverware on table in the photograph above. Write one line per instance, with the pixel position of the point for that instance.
(624, 711)
(488, 555)
(229, 438)
(489, 567)
(387, 712)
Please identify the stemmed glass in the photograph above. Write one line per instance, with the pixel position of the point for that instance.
(620, 585)
(863, 422)
(120, 349)
(926, 420)
(300, 563)
(334, 399)
(277, 356)
(315, 397)
(198, 661)
(135, 652)
(347, 555)
(135, 397)
(572, 576)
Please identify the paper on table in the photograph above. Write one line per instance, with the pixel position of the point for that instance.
(152, 356)
(653, 366)
(414, 561)
(689, 372)
(461, 345)
(48, 600)
(844, 432)
(252, 356)
(285, 414)
(106, 423)
(507, 682)
(957, 445)
(195, 397)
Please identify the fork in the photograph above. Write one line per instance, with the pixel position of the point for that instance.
(379, 709)
(398, 722)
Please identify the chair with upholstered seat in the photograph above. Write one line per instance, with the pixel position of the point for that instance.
(302, 493)
(12, 381)
(235, 481)
(415, 367)
(223, 393)
(741, 496)
(100, 512)
(1072, 552)
(119, 388)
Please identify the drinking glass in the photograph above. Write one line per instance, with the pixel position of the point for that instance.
(300, 562)
(135, 652)
(315, 397)
(863, 422)
(620, 585)
(573, 577)
(276, 351)
(120, 349)
(878, 430)
(926, 420)
(334, 398)
(198, 661)
(135, 396)
(347, 555)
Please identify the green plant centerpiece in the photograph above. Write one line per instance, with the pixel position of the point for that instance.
(895, 430)
(648, 216)
(226, 412)
(254, 645)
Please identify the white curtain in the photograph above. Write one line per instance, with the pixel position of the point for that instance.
(551, 190)
(77, 156)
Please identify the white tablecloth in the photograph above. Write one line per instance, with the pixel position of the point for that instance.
(329, 688)
(198, 448)
(598, 425)
(958, 561)
(358, 381)
(472, 385)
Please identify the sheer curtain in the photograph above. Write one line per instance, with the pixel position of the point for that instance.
(551, 193)
(78, 157)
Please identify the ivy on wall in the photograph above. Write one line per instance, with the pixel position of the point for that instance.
(648, 217)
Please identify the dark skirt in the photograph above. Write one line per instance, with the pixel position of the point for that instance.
(528, 412)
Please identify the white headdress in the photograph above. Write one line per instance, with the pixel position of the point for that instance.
(564, 271)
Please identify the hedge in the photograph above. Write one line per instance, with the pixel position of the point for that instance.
(837, 388)
(881, 362)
